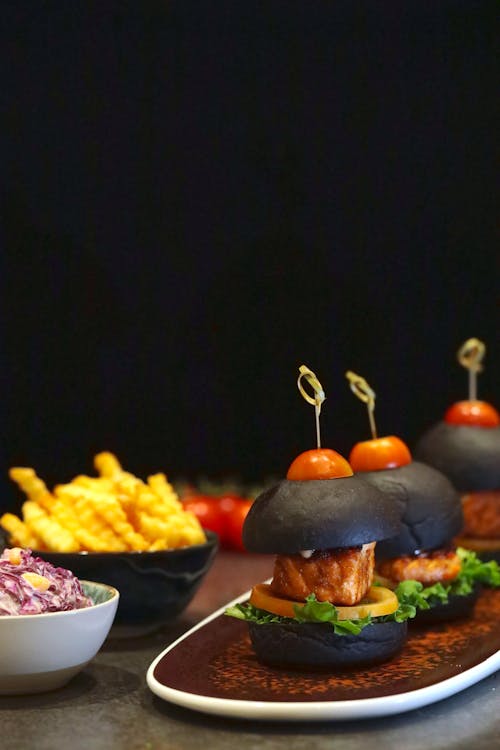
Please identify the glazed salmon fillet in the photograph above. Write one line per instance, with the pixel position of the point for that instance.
(428, 568)
(481, 515)
(340, 576)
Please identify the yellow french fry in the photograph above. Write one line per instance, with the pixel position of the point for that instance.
(164, 490)
(53, 535)
(114, 511)
(20, 535)
(107, 464)
(34, 487)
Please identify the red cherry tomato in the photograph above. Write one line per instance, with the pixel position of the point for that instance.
(381, 453)
(473, 413)
(208, 511)
(234, 523)
(319, 463)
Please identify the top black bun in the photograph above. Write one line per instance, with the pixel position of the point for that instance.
(429, 506)
(469, 456)
(318, 514)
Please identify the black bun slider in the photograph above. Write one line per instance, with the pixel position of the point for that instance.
(316, 646)
(469, 456)
(318, 514)
(428, 505)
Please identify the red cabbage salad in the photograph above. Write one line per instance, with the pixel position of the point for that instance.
(32, 586)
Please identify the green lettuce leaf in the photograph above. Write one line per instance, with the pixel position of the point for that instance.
(252, 614)
(314, 611)
(473, 572)
(476, 571)
(409, 595)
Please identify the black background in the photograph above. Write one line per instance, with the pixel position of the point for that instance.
(198, 197)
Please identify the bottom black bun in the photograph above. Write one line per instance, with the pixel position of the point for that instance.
(487, 555)
(456, 608)
(315, 645)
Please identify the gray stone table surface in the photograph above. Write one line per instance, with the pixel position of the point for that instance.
(109, 706)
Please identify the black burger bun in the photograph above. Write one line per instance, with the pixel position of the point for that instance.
(428, 505)
(298, 515)
(457, 607)
(469, 456)
(315, 645)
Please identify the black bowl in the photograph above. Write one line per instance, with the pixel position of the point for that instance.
(155, 587)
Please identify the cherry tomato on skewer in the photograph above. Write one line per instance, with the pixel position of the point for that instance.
(319, 463)
(472, 413)
(379, 453)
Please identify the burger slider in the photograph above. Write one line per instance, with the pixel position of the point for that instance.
(465, 446)
(423, 551)
(321, 609)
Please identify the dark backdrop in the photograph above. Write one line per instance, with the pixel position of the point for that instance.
(197, 197)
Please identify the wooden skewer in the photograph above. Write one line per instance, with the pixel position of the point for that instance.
(470, 356)
(362, 390)
(316, 400)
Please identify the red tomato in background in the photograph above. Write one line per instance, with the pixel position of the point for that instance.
(223, 514)
(209, 513)
(235, 520)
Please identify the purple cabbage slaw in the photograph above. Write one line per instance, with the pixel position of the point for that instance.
(19, 597)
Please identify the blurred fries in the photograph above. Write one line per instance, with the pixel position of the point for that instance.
(112, 512)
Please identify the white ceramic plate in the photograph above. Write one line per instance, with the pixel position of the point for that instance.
(211, 669)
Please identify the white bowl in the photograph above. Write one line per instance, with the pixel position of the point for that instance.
(43, 652)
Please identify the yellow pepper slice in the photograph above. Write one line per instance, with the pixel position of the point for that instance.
(378, 601)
